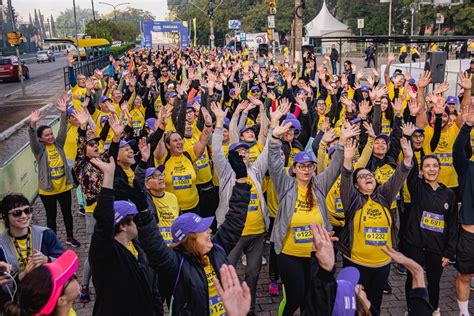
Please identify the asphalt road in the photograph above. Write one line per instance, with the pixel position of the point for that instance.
(38, 74)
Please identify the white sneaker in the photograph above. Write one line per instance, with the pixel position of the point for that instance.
(437, 312)
(264, 261)
(244, 260)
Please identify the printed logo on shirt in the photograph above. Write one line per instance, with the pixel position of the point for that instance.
(433, 222)
(376, 236)
(57, 173)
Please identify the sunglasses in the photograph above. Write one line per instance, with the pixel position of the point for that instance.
(365, 176)
(92, 143)
(18, 212)
(157, 176)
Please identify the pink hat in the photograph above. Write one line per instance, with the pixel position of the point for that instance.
(62, 269)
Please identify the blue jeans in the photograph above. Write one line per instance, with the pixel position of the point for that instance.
(334, 67)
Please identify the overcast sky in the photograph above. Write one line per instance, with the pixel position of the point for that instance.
(157, 7)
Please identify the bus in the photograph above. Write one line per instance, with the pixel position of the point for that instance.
(84, 48)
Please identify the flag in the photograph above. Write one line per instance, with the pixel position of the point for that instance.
(131, 66)
(194, 31)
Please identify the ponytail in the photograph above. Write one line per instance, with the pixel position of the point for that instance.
(309, 194)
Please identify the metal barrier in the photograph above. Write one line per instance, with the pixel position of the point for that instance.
(85, 68)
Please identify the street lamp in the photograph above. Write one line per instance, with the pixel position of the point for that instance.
(389, 20)
(115, 7)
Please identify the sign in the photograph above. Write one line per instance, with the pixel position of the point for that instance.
(439, 18)
(273, 11)
(242, 36)
(385, 1)
(150, 27)
(360, 23)
(14, 38)
(234, 24)
(271, 21)
(212, 37)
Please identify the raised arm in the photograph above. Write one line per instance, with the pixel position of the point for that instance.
(423, 82)
(200, 146)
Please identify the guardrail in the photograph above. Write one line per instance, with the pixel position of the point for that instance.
(85, 68)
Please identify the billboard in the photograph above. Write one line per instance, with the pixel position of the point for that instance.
(153, 31)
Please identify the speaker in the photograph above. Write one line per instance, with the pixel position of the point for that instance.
(436, 63)
(263, 50)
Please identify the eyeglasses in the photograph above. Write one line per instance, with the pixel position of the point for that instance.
(92, 143)
(365, 176)
(19, 211)
(74, 277)
(306, 167)
(157, 176)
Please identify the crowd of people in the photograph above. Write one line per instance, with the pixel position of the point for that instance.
(186, 162)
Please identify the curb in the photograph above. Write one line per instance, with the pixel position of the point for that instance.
(8, 132)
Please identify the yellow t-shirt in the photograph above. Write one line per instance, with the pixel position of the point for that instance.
(444, 152)
(291, 157)
(382, 174)
(70, 146)
(406, 193)
(132, 249)
(254, 152)
(90, 208)
(202, 164)
(385, 126)
(372, 231)
(78, 96)
(180, 179)
(298, 241)
(403, 49)
(72, 312)
(130, 175)
(138, 119)
(391, 90)
(167, 210)
(57, 172)
(254, 223)
(334, 204)
(23, 252)
(216, 307)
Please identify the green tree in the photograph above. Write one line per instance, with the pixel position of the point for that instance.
(102, 29)
(65, 21)
(127, 32)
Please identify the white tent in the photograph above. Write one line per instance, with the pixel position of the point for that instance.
(325, 25)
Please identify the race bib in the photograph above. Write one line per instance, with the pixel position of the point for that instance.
(302, 234)
(376, 236)
(253, 204)
(445, 160)
(201, 163)
(433, 222)
(339, 208)
(57, 173)
(216, 307)
(386, 129)
(166, 234)
(182, 182)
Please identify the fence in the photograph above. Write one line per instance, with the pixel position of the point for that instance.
(85, 68)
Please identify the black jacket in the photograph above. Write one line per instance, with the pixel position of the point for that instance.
(323, 289)
(185, 275)
(465, 170)
(441, 201)
(124, 284)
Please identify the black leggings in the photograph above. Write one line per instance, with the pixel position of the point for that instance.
(50, 205)
(373, 280)
(434, 270)
(295, 275)
(273, 269)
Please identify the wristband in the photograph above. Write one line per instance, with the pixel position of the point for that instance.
(208, 125)
(273, 136)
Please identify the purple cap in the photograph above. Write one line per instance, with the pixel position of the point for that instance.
(104, 118)
(123, 209)
(150, 123)
(197, 99)
(104, 98)
(384, 137)
(189, 223)
(331, 150)
(412, 81)
(70, 111)
(345, 303)
(246, 128)
(232, 91)
(226, 122)
(239, 145)
(189, 105)
(274, 70)
(150, 171)
(255, 88)
(419, 130)
(172, 94)
(364, 89)
(294, 124)
(303, 157)
(451, 100)
(290, 116)
(302, 91)
(124, 143)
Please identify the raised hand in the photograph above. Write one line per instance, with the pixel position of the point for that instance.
(413, 107)
(35, 117)
(364, 108)
(70, 58)
(369, 129)
(282, 109)
(107, 168)
(281, 129)
(242, 106)
(207, 116)
(218, 112)
(301, 104)
(407, 150)
(441, 88)
(397, 106)
(61, 105)
(328, 136)
(117, 126)
(144, 149)
(438, 104)
(465, 80)
(350, 147)
(408, 129)
(82, 116)
(391, 58)
(322, 243)
(425, 79)
(348, 131)
(235, 297)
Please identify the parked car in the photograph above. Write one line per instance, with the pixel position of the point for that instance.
(9, 67)
(45, 55)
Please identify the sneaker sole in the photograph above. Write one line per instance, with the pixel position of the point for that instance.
(72, 245)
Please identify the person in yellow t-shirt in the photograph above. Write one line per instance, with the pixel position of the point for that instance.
(137, 116)
(403, 53)
(370, 225)
(54, 175)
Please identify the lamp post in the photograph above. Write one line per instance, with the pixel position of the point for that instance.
(389, 20)
(115, 7)
(75, 19)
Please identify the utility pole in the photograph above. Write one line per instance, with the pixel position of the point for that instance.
(93, 17)
(75, 20)
(298, 54)
(115, 8)
(211, 23)
(20, 64)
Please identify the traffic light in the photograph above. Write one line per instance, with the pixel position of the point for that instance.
(14, 38)
(272, 3)
(270, 34)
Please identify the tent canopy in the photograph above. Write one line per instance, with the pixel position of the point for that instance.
(325, 24)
